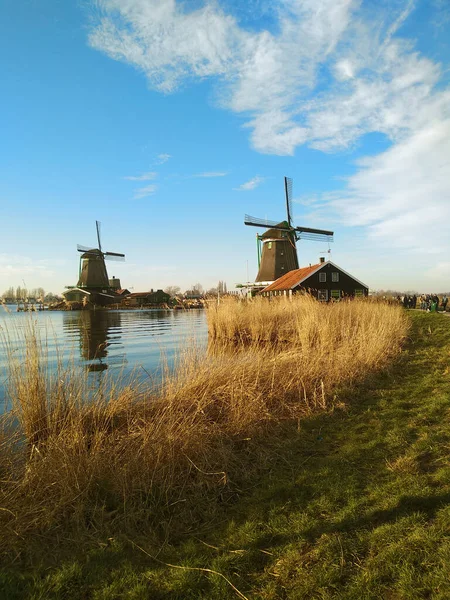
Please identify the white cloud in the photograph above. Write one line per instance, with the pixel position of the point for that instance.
(143, 177)
(402, 195)
(143, 192)
(328, 73)
(251, 184)
(163, 158)
(262, 74)
(211, 174)
(365, 79)
(14, 266)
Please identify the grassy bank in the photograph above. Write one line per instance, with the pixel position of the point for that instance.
(119, 479)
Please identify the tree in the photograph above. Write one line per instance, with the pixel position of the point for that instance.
(222, 287)
(172, 290)
(197, 287)
(9, 293)
(50, 297)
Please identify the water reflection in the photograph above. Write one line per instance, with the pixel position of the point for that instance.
(96, 331)
(138, 343)
(108, 338)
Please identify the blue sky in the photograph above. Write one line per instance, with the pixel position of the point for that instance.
(168, 121)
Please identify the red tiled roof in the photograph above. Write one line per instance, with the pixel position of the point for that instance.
(292, 279)
(139, 294)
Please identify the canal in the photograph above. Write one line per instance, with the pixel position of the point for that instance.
(112, 343)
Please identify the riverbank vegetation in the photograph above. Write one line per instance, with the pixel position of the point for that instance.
(122, 466)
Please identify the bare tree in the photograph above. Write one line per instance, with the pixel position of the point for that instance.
(9, 293)
(172, 290)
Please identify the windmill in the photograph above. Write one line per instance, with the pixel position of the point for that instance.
(277, 252)
(93, 284)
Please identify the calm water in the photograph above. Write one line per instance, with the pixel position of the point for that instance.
(106, 341)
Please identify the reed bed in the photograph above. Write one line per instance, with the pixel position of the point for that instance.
(76, 462)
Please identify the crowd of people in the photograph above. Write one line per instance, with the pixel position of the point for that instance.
(428, 302)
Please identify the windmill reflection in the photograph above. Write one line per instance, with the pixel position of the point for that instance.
(94, 329)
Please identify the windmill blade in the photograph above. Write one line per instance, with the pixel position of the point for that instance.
(315, 237)
(311, 230)
(98, 225)
(81, 248)
(288, 191)
(248, 220)
(114, 256)
(318, 235)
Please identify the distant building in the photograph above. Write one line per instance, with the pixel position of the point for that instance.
(114, 283)
(150, 298)
(193, 295)
(325, 281)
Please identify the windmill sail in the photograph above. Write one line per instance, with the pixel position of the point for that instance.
(93, 272)
(93, 283)
(279, 252)
(97, 225)
(288, 192)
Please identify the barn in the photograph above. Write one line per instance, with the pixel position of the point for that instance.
(325, 281)
(151, 298)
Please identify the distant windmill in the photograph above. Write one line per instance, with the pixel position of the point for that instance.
(92, 264)
(93, 284)
(278, 254)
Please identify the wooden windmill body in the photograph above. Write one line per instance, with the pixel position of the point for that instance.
(277, 251)
(93, 285)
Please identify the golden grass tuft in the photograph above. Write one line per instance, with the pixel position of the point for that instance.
(76, 461)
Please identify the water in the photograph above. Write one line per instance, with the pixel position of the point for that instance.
(115, 342)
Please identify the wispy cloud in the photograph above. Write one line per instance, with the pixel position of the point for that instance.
(402, 196)
(263, 74)
(344, 51)
(143, 177)
(15, 265)
(251, 184)
(143, 192)
(211, 174)
(162, 158)
(329, 73)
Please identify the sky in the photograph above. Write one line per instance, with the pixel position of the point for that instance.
(169, 120)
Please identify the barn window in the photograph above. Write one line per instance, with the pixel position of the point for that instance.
(322, 295)
(359, 292)
(335, 294)
(322, 277)
(335, 277)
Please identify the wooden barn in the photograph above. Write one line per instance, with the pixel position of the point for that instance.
(325, 281)
(147, 298)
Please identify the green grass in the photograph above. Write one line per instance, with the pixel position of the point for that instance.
(351, 504)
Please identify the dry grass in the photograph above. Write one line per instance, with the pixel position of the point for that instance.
(91, 463)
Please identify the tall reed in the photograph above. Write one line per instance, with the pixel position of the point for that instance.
(126, 458)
